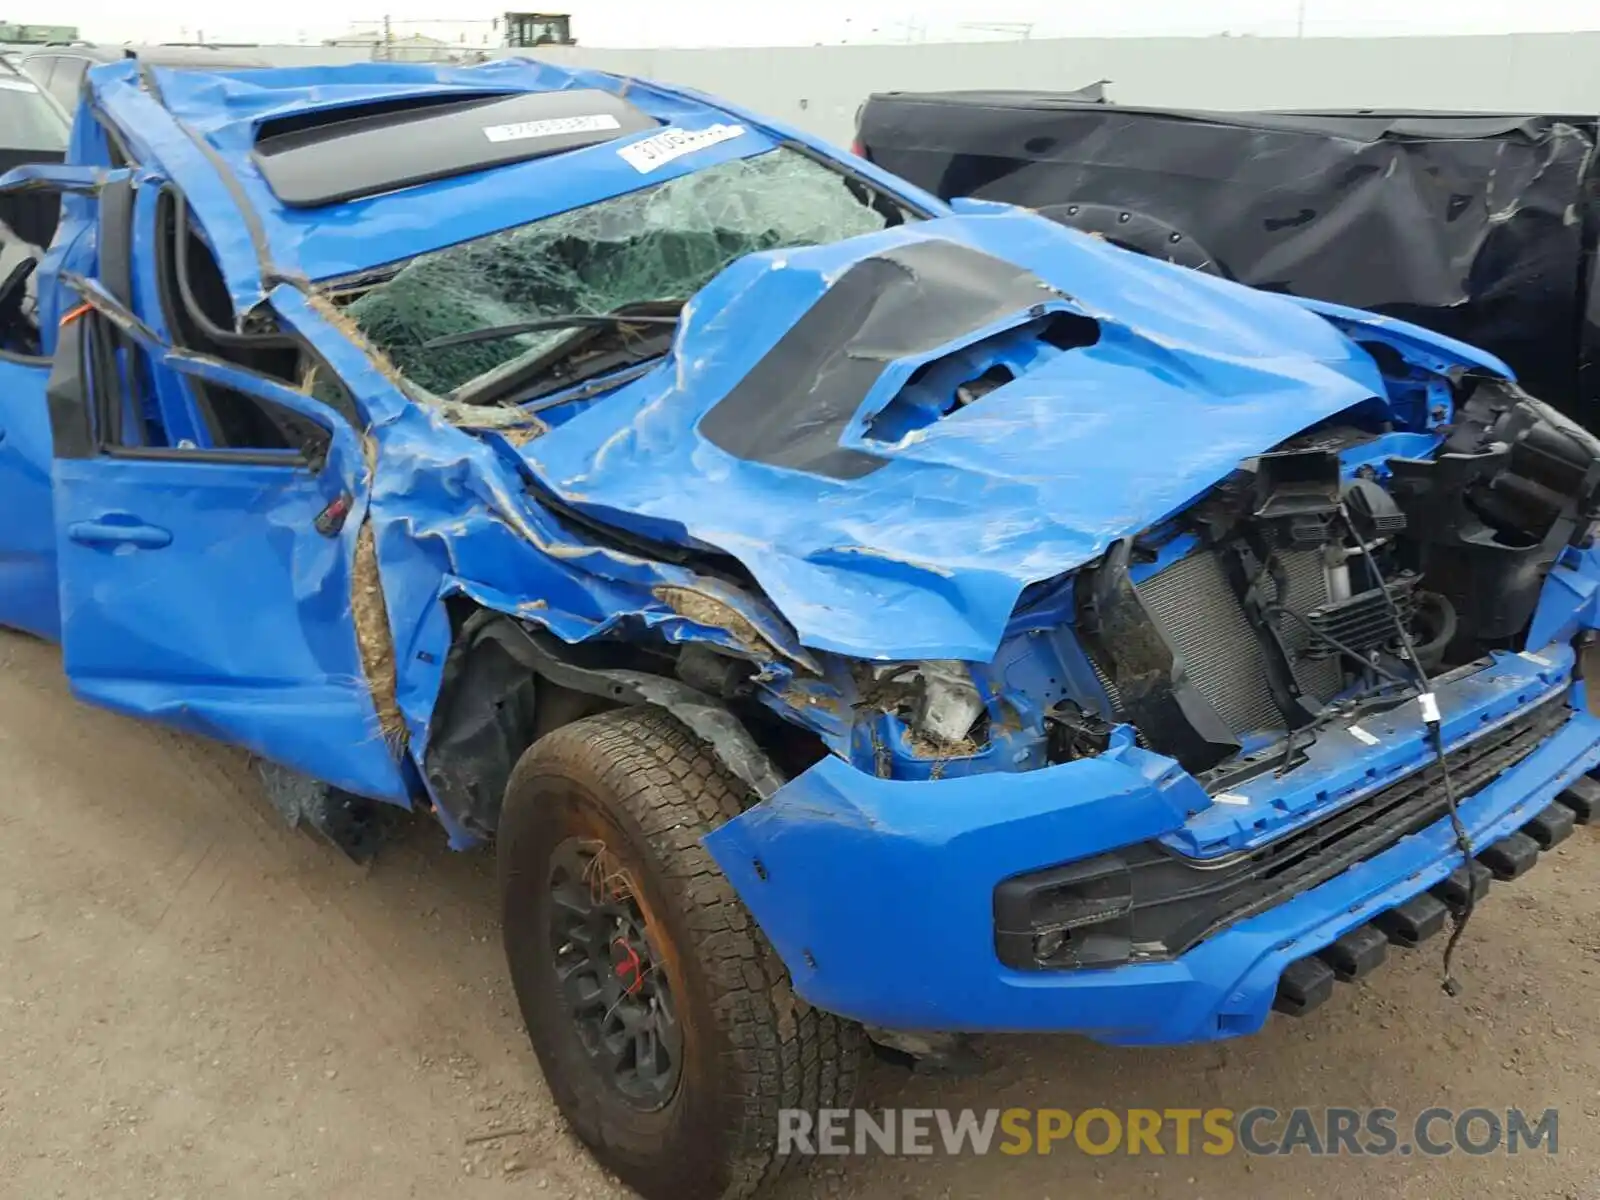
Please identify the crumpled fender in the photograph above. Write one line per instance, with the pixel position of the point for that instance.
(1426, 348)
(451, 515)
(834, 843)
(1570, 599)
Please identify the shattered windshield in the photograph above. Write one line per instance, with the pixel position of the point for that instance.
(658, 244)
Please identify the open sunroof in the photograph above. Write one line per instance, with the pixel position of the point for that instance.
(339, 154)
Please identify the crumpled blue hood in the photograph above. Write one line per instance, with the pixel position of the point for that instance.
(926, 553)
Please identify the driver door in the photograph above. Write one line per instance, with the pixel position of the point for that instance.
(211, 587)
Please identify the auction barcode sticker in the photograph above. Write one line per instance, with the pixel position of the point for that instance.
(553, 127)
(658, 149)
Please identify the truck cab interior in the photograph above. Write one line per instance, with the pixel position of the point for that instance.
(32, 130)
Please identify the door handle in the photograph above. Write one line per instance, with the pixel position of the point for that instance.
(116, 533)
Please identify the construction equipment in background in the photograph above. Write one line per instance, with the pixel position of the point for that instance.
(524, 29)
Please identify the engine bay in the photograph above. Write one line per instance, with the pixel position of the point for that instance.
(1317, 579)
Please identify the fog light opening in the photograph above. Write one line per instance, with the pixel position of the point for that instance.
(1049, 944)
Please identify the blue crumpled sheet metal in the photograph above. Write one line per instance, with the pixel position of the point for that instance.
(878, 894)
(449, 509)
(451, 514)
(924, 558)
(321, 243)
(927, 556)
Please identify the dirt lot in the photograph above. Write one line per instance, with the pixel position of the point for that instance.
(198, 1002)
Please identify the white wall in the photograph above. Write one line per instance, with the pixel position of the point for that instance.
(820, 88)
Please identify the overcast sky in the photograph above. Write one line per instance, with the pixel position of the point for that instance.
(752, 22)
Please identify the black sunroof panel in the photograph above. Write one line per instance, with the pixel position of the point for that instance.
(363, 153)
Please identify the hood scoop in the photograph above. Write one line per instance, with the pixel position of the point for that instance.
(881, 333)
(942, 386)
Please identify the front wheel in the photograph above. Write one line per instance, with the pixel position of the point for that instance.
(666, 1025)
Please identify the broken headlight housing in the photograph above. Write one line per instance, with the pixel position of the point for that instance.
(936, 702)
(948, 705)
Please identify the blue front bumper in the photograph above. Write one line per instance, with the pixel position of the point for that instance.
(878, 894)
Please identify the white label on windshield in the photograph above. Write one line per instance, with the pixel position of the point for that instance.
(1536, 658)
(554, 127)
(1231, 798)
(659, 149)
(1361, 735)
(16, 85)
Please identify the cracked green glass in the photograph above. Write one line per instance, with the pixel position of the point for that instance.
(659, 243)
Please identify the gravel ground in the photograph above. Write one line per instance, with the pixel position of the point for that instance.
(198, 1002)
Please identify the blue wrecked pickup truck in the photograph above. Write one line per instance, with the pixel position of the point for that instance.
(850, 616)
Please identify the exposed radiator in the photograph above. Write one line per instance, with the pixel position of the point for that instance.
(1206, 624)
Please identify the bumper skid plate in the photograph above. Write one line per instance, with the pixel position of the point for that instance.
(1357, 953)
(1308, 982)
(1417, 920)
(1583, 797)
(1511, 857)
(1305, 984)
(1552, 827)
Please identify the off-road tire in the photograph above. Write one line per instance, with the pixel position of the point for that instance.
(651, 790)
